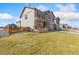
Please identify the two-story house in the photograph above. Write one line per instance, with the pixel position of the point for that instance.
(38, 20)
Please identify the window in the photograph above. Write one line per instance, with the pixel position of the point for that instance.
(25, 17)
(49, 17)
(43, 17)
(38, 14)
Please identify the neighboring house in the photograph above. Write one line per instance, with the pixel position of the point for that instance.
(38, 20)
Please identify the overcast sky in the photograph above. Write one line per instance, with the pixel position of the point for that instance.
(68, 13)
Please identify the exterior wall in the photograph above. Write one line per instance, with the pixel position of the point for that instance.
(51, 27)
(30, 15)
(39, 15)
(29, 22)
(18, 24)
(41, 22)
(57, 23)
(50, 18)
(53, 23)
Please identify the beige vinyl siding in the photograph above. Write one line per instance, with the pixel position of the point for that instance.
(29, 22)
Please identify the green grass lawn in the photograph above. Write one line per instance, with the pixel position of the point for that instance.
(40, 43)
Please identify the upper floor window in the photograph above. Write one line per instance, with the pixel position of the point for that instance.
(38, 14)
(43, 17)
(49, 17)
(25, 17)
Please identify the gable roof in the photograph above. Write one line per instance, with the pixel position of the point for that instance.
(24, 10)
(45, 12)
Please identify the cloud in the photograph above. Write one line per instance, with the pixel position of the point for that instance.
(6, 16)
(65, 12)
(77, 24)
(2, 25)
(17, 18)
(42, 8)
(66, 8)
(67, 15)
